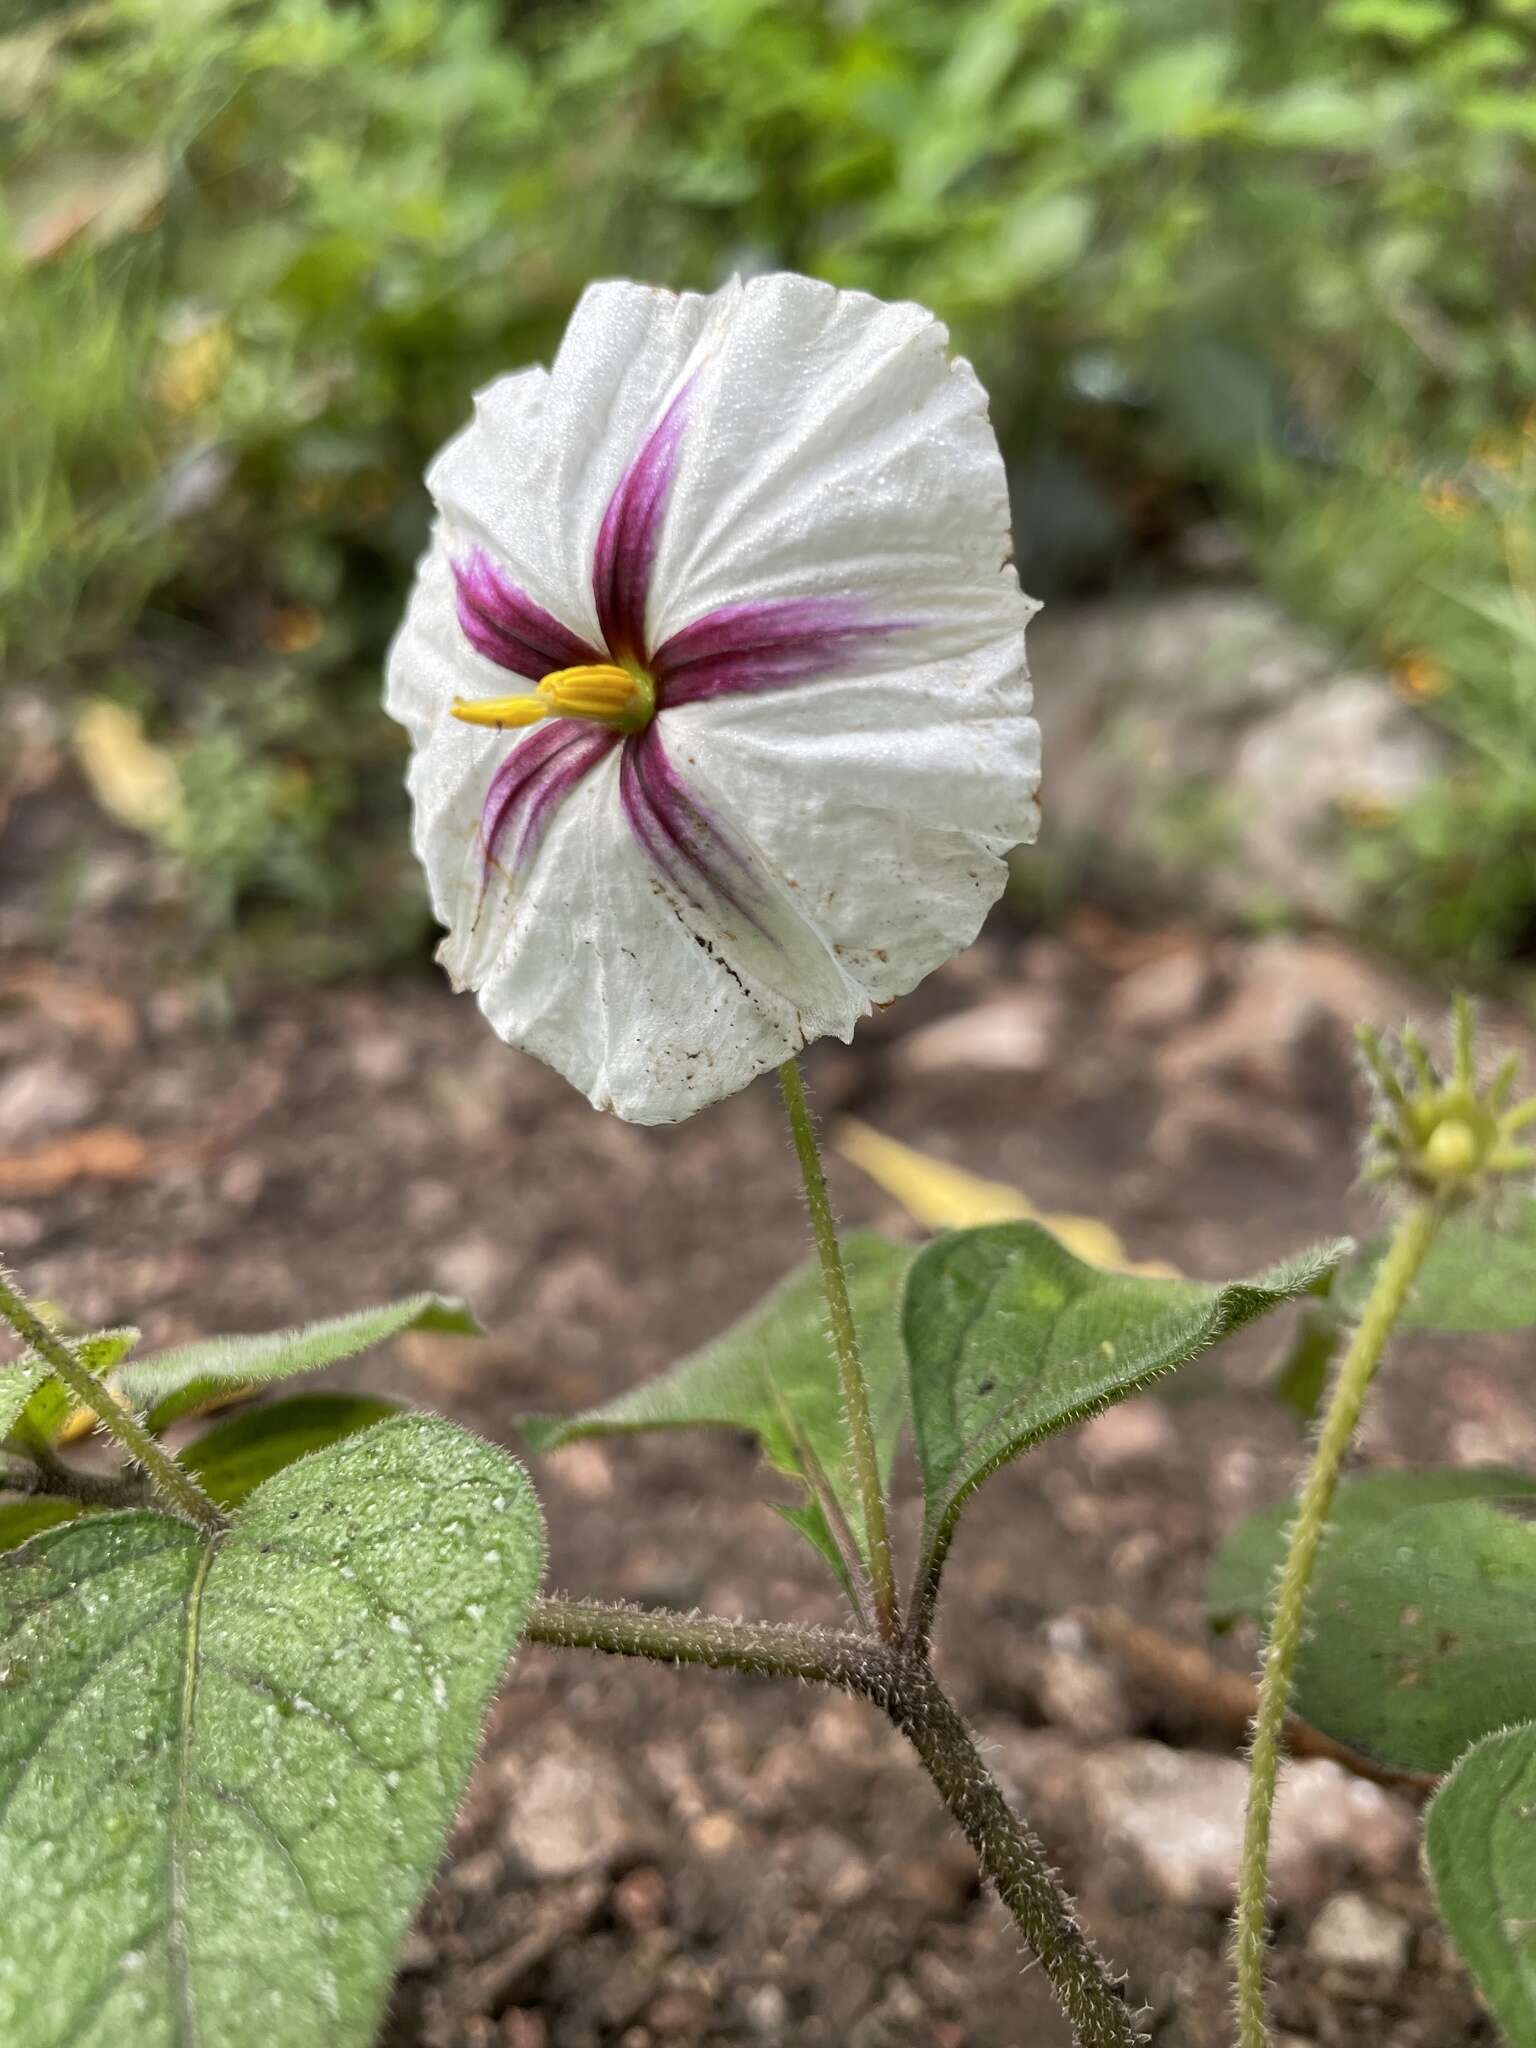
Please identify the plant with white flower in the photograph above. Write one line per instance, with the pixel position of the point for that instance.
(714, 677)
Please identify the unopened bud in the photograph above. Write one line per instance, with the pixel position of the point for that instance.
(1451, 1149)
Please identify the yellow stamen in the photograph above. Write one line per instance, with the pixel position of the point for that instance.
(500, 711)
(602, 692)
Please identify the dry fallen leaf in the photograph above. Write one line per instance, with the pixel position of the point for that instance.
(106, 1153)
(78, 1007)
(132, 779)
(944, 1197)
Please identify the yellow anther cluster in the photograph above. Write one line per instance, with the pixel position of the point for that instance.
(598, 691)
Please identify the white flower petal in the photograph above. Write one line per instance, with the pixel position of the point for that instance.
(595, 968)
(531, 476)
(884, 805)
(836, 449)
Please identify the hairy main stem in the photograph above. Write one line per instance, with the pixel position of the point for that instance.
(1395, 1276)
(1013, 1858)
(905, 1689)
(177, 1484)
(845, 1339)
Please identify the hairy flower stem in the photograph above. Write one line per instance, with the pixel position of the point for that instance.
(178, 1485)
(1395, 1276)
(845, 1339)
(905, 1689)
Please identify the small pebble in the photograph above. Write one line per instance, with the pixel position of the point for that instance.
(1356, 1933)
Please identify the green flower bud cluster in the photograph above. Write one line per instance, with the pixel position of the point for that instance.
(1444, 1134)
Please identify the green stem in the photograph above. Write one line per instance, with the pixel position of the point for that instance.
(845, 1339)
(178, 1486)
(905, 1689)
(1395, 1276)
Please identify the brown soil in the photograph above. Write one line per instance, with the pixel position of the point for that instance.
(748, 1864)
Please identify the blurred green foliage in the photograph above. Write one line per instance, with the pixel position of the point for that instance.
(1274, 260)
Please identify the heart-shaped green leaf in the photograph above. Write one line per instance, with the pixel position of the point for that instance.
(1480, 1843)
(234, 1457)
(172, 1383)
(774, 1374)
(227, 1763)
(1421, 1626)
(1009, 1338)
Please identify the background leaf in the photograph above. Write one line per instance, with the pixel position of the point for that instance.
(1010, 1338)
(945, 1197)
(42, 1421)
(1480, 1841)
(1301, 1378)
(1241, 1582)
(1481, 1274)
(227, 1764)
(1421, 1629)
(774, 1374)
(173, 1383)
(21, 1520)
(18, 1383)
(34, 1404)
(234, 1457)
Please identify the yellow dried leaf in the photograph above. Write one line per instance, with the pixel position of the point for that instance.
(935, 1194)
(945, 1197)
(132, 779)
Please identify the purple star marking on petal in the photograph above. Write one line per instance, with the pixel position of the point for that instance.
(539, 773)
(685, 839)
(504, 624)
(771, 644)
(737, 649)
(631, 529)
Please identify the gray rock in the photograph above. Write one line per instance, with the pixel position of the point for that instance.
(1013, 1034)
(41, 1097)
(1179, 1815)
(1083, 1694)
(1205, 745)
(1355, 1933)
(569, 1811)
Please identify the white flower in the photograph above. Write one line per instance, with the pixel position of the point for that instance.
(743, 564)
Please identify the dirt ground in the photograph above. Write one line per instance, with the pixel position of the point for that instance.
(650, 1857)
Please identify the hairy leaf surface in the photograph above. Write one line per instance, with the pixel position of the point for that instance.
(1480, 1842)
(1010, 1338)
(233, 1458)
(227, 1764)
(173, 1383)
